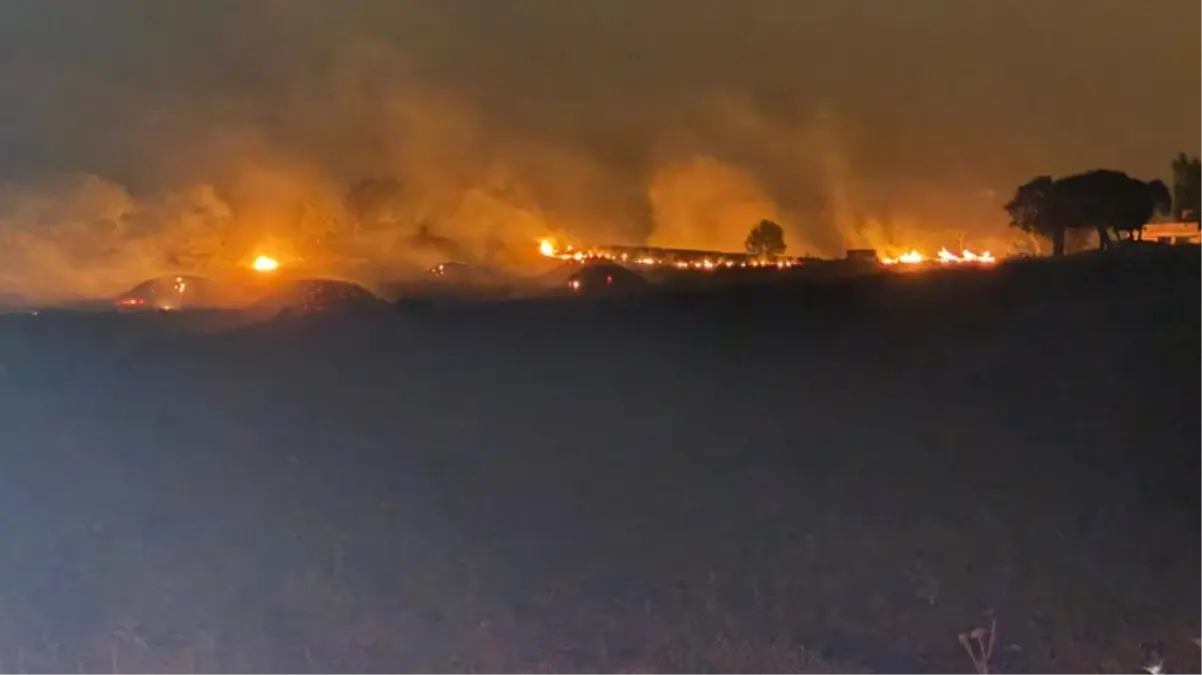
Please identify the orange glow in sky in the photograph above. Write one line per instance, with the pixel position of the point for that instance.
(265, 264)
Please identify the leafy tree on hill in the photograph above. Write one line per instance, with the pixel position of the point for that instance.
(1187, 188)
(766, 240)
(1102, 200)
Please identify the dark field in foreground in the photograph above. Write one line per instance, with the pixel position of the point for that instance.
(829, 477)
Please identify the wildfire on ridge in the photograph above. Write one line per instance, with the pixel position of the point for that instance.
(697, 260)
(651, 257)
(944, 257)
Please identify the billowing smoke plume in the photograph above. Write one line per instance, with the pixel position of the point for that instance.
(81, 236)
(371, 137)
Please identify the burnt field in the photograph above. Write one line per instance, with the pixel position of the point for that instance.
(797, 477)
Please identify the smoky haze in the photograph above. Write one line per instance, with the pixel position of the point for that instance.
(140, 136)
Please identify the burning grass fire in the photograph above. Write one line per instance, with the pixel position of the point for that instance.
(944, 257)
(659, 257)
(711, 260)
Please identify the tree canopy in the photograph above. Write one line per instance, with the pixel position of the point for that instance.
(766, 240)
(1102, 200)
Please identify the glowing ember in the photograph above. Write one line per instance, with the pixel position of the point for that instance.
(265, 264)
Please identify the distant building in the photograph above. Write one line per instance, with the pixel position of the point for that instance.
(861, 254)
(1173, 233)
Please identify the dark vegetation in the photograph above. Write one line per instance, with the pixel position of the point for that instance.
(840, 474)
(1187, 187)
(766, 240)
(1104, 201)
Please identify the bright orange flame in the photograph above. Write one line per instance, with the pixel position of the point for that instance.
(946, 257)
(911, 257)
(966, 256)
(546, 247)
(265, 264)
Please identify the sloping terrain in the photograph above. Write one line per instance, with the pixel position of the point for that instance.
(834, 476)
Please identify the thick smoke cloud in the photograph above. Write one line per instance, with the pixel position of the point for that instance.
(139, 136)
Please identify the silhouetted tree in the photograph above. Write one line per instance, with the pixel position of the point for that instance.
(1084, 200)
(1108, 200)
(1037, 209)
(766, 240)
(1187, 187)
(1140, 203)
(1102, 200)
